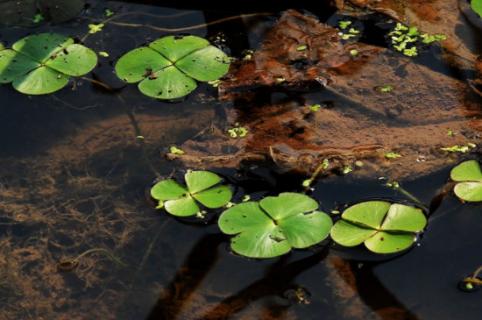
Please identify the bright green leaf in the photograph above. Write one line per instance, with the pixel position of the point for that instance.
(305, 230)
(404, 218)
(167, 190)
(267, 242)
(369, 213)
(183, 207)
(14, 65)
(40, 47)
(467, 171)
(181, 201)
(288, 204)
(201, 180)
(167, 83)
(215, 197)
(477, 6)
(469, 191)
(42, 63)
(42, 80)
(381, 226)
(177, 47)
(139, 64)
(258, 235)
(470, 175)
(384, 242)
(75, 60)
(169, 67)
(348, 234)
(243, 217)
(207, 64)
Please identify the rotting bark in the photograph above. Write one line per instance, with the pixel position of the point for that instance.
(359, 122)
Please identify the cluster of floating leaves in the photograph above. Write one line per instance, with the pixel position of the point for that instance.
(167, 69)
(404, 39)
(275, 225)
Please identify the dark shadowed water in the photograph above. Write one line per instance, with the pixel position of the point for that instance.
(75, 167)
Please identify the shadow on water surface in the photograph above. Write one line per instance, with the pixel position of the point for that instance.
(73, 176)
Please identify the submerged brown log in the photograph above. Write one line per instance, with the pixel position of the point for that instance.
(298, 51)
(375, 103)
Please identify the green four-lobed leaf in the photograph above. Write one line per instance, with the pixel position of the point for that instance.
(274, 225)
(169, 67)
(201, 187)
(469, 176)
(42, 63)
(382, 226)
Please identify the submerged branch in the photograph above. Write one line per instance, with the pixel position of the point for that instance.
(189, 28)
(172, 30)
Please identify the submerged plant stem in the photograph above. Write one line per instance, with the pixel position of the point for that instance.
(173, 30)
(322, 166)
(139, 137)
(99, 83)
(397, 187)
(69, 264)
(189, 28)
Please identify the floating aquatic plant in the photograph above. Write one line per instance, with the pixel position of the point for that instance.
(201, 187)
(405, 38)
(43, 63)
(347, 32)
(169, 67)
(382, 226)
(469, 176)
(461, 149)
(274, 225)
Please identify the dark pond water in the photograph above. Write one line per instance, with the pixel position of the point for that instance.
(74, 175)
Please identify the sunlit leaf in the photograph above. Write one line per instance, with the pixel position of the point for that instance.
(383, 227)
(42, 63)
(260, 235)
(202, 187)
(469, 174)
(169, 67)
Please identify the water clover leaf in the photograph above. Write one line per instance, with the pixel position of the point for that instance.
(382, 226)
(202, 187)
(42, 63)
(274, 225)
(169, 67)
(469, 176)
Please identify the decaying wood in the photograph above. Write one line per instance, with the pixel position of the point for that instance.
(358, 122)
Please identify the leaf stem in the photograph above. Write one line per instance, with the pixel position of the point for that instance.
(70, 264)
(397, 187)
(99, 83)
(173, 30)
(322, 166)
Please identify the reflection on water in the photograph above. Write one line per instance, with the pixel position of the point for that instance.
(73, 179)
